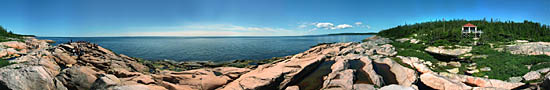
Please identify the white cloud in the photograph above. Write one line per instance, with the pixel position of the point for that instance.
(325, 25)
(358, 23)
(302, 26)
(343, 26)
(331, 26)
(361, 25)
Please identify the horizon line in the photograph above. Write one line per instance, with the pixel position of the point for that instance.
(213, 35)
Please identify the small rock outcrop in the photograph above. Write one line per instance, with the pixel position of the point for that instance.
(396, 87)
(533, 75)
(482, 82)
(442, 83)
(531, 48)
(458, 50)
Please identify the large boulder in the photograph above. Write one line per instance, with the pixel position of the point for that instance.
(8, 52)
(26, 77)
(386, 50)
(105, 81)
(80, 77)
(533, 75)
(14, 44)
(442, 83)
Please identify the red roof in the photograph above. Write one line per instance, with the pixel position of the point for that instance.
(469, 25)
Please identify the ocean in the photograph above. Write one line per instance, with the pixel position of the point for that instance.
(215, 48)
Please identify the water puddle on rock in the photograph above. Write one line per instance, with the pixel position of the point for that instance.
(314, 81)
(360, 75)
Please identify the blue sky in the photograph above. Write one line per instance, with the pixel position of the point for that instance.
(88, 18)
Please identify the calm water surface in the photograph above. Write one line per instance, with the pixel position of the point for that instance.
(210, 48)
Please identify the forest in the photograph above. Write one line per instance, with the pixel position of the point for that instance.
(442, 32)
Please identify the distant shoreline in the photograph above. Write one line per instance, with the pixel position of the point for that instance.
(354, 33)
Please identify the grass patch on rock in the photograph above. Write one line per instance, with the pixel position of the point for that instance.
(541, 66)
(400, 61)
(504, 65)
(413, 50)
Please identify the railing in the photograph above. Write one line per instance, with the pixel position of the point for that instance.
(473, 31)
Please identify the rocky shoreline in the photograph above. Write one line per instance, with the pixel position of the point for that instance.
(369, 65)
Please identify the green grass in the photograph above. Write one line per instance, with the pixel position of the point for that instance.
(413, 50)
(4, 63)
(540, 66)
(398, 60)
(504, 65)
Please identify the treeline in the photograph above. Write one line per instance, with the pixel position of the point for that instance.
(449, 32)
(353, 34)
(6, 35)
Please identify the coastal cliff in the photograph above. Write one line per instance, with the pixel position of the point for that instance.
(369, 65)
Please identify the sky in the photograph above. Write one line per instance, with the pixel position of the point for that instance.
(97, 18)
